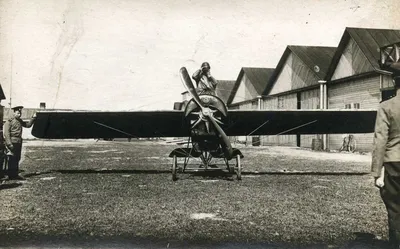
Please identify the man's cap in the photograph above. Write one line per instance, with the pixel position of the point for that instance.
(205, 65)
(18, 107)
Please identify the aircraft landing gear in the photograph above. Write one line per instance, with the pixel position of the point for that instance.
(174, 168)
(206, 157)
(238, 168)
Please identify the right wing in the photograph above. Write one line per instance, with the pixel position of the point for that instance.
(282, 122)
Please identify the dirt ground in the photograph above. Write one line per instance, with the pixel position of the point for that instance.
(98, 194)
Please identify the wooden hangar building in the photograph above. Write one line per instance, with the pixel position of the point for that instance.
(309, 77)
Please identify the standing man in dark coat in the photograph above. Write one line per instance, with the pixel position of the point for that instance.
(386, 160)
(13, 140)
(206, 84)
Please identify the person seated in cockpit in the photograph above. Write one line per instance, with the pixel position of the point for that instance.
(206, 83)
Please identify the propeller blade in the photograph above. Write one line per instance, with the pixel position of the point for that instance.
(187, 82)
(218, 121)
(226, 144)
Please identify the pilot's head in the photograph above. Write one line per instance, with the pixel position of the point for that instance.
(17, 111)
(205, 67)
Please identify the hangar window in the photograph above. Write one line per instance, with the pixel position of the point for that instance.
(352, 106)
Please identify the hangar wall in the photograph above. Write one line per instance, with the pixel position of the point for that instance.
(309, 100)
(284, 101)
(361, 93)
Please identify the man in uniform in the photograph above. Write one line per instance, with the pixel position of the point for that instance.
(13, 140)
(206, 84)
(386, 161)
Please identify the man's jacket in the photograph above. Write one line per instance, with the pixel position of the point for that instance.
(387, 135)
(13, 130)
(206, 84)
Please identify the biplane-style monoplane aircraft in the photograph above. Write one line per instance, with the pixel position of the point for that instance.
(207, 123)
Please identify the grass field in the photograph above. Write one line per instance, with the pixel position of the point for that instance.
(122, 191)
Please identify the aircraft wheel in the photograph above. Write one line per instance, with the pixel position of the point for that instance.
(239, 168)
(174, 168)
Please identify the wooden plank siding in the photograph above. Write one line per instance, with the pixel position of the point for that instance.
(309, 100)
(352, 62)
(366, 93)
(245, 91)
(294, 75)
(288, 101)
(244, 106)
(270, 103)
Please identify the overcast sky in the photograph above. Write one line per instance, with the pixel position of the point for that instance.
(126, 54)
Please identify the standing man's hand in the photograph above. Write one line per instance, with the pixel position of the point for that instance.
(34, 115)
(379, 182)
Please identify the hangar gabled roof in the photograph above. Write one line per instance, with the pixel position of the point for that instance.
(369, 41)
(316, 58)
(224, 89)
(258, 76)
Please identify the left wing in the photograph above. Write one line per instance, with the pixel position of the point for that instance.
(81, 124)
(88, 124)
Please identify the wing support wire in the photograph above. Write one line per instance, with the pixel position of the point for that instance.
(111, 128)
(294, 128)
(297, 127)
(258, 128)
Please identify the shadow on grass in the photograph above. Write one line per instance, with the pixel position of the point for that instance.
(10, 185)
(203, 173)
(209, 175)
(362, 241)
(365, 240)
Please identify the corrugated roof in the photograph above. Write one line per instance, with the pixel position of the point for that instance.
(258, 76)
(369, 41)
(312, 56)
(224, 89)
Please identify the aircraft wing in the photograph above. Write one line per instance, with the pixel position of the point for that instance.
(90, 124)
(133, 124)
(276, 122)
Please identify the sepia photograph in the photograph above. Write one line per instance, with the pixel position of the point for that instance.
(200, 124)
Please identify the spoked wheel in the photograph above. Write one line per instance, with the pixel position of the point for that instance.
(238, 168)
(174, 168)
